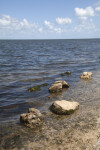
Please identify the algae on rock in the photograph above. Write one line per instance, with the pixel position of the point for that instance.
(37, 87)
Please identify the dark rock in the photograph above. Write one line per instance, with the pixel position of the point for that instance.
(37, 88)
(66, 73)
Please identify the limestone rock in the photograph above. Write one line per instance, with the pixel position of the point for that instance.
(86, 75)
(64, 107)
(58, 86)
(32, 119)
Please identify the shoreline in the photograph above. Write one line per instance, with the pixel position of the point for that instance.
(77, 131)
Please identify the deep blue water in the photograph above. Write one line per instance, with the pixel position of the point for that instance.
(26, 63)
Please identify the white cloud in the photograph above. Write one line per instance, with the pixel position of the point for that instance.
(97, 6)
(63, 20)
(84, 13)
(5, 20)
(12, 27)
(48, 24)
(8, 22)
(51, 27)
(86, 26)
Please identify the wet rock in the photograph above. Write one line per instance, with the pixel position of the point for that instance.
(66, 73)
(37, 87)
(35, 112)
(64, 107)
(58, 86)
(86, 75)
(32, 119)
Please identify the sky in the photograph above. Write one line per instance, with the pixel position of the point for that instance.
(49, 19)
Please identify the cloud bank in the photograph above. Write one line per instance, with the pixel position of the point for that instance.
(82, 22)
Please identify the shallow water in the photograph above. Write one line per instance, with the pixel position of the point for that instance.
(26, 63)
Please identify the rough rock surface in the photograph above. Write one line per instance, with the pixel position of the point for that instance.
(32, 119)
(86, 75)
(58, 86)
(64, 107)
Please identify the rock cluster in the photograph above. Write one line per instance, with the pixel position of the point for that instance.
(32, 119)
(64, 107)
(86, 75)
(58, 86)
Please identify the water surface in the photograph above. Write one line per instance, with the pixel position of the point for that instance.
(27, 63)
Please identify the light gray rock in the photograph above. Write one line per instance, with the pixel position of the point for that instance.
(32, 119)
(86, 75)
(64, 107)
(58, 86)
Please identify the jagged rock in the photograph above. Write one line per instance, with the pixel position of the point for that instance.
(64, 107)
(86, 75)
(32, 119)
(58, 86)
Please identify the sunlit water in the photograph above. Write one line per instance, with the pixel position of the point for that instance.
(26, 63)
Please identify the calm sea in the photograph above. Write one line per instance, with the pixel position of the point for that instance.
(26, 63)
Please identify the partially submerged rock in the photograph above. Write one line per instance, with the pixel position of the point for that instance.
(86, 75)
(58, 86)
(32, 119)
(66, 73)
(37, 87)
(64, 107)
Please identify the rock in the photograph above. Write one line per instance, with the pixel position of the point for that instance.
(58, 86)
(86, 75)
(64, 107)
(32, 119)
(37, 87)
(66, 73)
(65, 84)
(35, 112)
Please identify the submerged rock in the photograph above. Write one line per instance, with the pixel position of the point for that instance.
(32, 119)
(64, 107)
(86, 75)
(58, 86)
(37, 87)
(66, 73)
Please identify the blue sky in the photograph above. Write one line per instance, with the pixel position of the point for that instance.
(49, 19)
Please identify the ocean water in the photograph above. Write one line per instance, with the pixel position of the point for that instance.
(27, 63)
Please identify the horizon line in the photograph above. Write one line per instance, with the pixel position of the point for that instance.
(53, 39)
